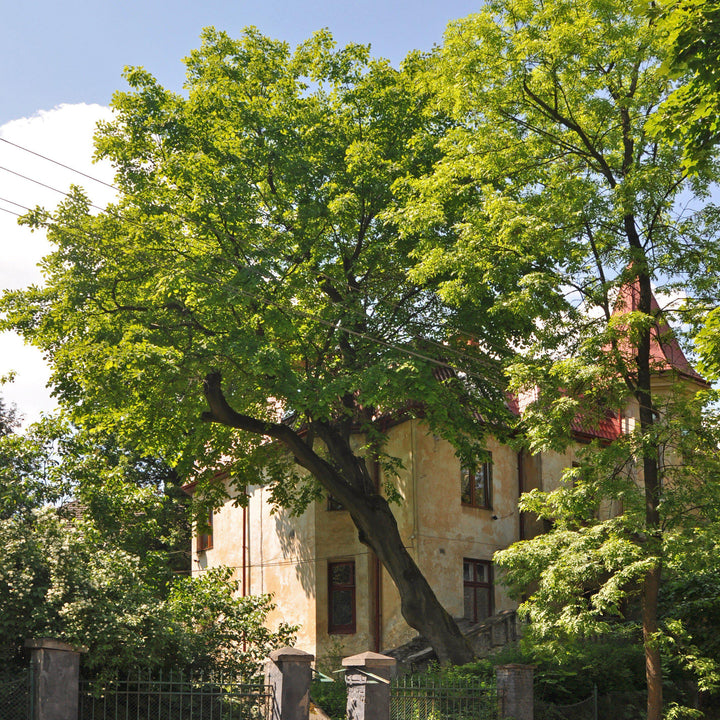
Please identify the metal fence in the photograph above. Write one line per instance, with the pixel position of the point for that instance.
(630, 705)
(582, 710)
(173, 696)
(15, 696)
(423, 698)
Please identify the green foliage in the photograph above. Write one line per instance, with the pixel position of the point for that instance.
(548, 160)
(254, 237)
(690, 114)
(689, 605)
(9, 418)
(29, 469)
(107, 569)
(586, 574)
(550, 170)
(331, 697)
(255, 240)
(58, 581)
(613, 664)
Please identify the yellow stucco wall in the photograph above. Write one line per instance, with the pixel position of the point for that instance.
(448, 531)
(280, 558)
(288, 556)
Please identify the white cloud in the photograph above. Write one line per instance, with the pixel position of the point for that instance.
(63, 134)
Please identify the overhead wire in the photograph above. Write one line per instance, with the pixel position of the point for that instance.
(296, 311)
(310, 316)
(57, 162)
(387, 303)
(12, 202)
(45, 185)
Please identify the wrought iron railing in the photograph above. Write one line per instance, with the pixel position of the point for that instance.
(173, 696)
(423, 698)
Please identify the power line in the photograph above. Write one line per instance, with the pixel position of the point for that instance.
(290, 310)
(11, 212)
(45, 185)
(12, 202)
(62, 165)
(295, 311)
(387, 303)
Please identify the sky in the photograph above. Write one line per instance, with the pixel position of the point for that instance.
(60, 64)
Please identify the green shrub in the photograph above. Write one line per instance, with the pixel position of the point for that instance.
(331, 697)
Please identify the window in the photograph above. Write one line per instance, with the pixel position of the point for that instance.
(341, 597)
(205, 540)
(476, 485)
(477, 590)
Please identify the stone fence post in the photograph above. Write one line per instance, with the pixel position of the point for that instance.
(368, 697)
(288, 672)
(55, 668)
(515, 691)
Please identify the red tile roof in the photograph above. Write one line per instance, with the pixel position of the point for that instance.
(665, 356)
(665, 352)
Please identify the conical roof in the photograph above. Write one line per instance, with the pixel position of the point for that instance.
(665, 351)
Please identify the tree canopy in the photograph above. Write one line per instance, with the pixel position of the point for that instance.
(308, 241)
(690, 113)
(252, 270)
(551, 151)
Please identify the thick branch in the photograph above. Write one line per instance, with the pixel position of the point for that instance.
(305, 456)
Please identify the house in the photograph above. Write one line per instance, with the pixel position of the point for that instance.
(452, 521)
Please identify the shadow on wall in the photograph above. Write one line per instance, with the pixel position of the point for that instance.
(296, 552)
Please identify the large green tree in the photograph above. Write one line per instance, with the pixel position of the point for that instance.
(251, 272)
(551, 154)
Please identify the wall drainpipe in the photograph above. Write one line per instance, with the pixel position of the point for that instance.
(521, 490)
(244, 550)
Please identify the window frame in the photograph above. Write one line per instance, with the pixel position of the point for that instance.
(349, 628)
(484, 468)
(205, 540)
(487, 586)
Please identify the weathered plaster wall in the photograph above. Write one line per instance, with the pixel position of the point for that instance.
(283, 563)
(279, 558)
(337, 540)
(394, 630)
(227, 539)
(288, 556)
(449, 531)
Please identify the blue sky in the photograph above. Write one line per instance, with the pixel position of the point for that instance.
(74, 51)
(60, 64)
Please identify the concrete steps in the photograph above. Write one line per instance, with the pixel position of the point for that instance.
(485, 637)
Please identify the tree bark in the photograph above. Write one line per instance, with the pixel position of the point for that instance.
(652, 485)
(348, 482)
(653, 665)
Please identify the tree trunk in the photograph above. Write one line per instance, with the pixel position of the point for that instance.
(652, 485)
(419, 605)
(653, 666)
(351, 485)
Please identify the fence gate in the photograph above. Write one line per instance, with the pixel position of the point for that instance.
(173, 696)
(421, 698)
(16, 696)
